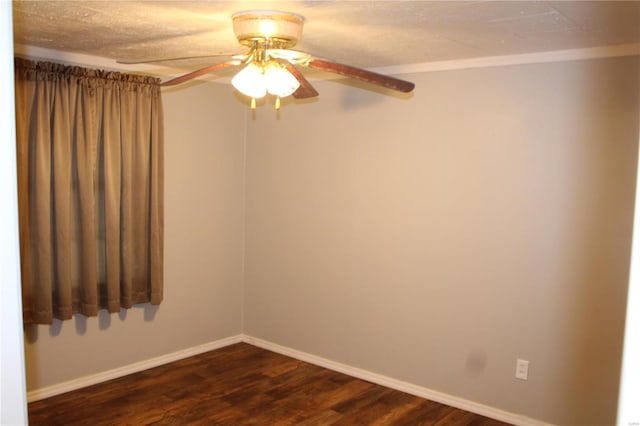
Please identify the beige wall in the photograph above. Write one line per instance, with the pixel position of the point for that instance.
(204, 205)
(437, 239)
(432, 239)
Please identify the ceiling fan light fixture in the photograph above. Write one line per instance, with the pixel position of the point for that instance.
(256, 80)
(281, 29)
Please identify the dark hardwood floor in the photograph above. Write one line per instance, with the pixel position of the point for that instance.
(243, 385)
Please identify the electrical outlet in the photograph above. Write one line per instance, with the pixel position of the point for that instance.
(522, 369)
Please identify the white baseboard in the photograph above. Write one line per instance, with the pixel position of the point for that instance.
(422, 392)
(92, 379)
(369, 376)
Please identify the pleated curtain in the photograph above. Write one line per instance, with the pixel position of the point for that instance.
(90, 190)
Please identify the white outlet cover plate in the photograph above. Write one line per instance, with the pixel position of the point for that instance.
(522, 369)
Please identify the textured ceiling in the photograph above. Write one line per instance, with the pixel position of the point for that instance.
(369, 34)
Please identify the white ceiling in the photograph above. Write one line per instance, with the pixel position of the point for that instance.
(371, 34)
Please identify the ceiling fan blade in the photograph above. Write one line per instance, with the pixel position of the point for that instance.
(183, 58)
(293, 56)
(306, 90)
(362, 75)
(198, 73)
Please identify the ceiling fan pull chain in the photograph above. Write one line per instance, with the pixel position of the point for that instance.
(253, 103)
(277, 102)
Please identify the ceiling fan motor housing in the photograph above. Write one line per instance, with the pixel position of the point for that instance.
(279, 30)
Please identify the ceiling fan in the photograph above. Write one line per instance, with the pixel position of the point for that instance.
(271, 66)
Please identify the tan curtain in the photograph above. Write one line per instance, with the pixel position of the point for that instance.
(90, 190)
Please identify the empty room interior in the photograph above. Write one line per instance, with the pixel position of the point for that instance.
(468, 241)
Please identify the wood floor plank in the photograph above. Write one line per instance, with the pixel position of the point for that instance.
(425, 413)
(243, 385)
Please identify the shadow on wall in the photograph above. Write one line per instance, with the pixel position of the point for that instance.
(351, 101)
(104, 319)
(32, 331)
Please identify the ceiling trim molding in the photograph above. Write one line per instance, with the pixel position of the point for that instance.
(633, 49)
(69, 58)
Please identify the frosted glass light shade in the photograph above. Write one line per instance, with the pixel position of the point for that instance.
(279, 81)
(250, 81)
(256, 80)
